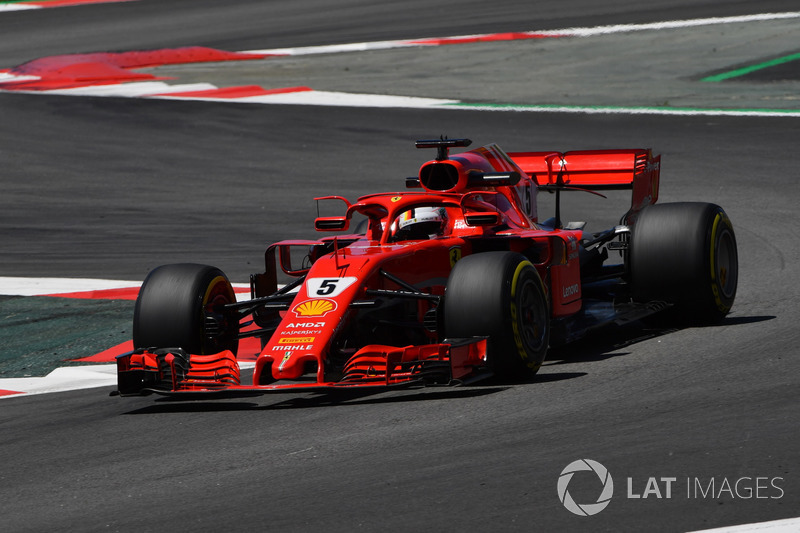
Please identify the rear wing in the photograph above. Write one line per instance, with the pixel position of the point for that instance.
(596, 170)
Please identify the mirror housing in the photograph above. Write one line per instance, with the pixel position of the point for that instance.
(486, 218)
(331, 223)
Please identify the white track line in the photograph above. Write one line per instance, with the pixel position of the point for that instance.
(326, 98)
(21, 286)
(130, 90)
(12, 286)
(790, 525)
(61, 380)
(611, 110)
(566, 32)
(42, 4)
(17, 7)
(677, 24)
(6, 77)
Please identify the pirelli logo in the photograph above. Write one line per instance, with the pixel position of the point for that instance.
(296, 340)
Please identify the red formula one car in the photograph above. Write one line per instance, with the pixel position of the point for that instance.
(452, 281)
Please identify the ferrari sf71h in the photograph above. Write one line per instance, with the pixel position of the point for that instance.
(453, 280)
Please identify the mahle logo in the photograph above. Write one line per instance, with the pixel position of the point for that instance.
(585, 509)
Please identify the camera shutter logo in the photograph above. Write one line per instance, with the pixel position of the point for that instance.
(586, 509)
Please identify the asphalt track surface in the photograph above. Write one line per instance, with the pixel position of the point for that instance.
(111, 188)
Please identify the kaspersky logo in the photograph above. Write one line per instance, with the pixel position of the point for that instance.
(605, 494)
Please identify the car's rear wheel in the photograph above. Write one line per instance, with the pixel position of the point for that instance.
(501, 296)
(685, 253)
(180, 305)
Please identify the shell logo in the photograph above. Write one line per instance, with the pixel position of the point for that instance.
(318, 307)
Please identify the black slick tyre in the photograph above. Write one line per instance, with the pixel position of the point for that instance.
(501, 296)
(179, 306)
(685, 254)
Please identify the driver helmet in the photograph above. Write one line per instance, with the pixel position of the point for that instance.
(422, 222)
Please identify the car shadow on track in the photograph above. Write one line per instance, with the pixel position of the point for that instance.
(374, 399)
(345, 398)
(602, 345)
(607, 343)
(311, 400)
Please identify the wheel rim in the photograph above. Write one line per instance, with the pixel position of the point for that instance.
(532, 318)
(218, 293)
(726, 270)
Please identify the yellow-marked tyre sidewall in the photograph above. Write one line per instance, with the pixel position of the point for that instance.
(500, 295)
(723, 262)
(684, 253)
(220, 292)
(171, 308)
(531, 349)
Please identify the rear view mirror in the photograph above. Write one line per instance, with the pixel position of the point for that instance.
(331, 223)
(489, 218)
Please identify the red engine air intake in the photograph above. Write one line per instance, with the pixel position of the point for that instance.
(456, 174)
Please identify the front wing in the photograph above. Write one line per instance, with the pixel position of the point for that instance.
(176, 373)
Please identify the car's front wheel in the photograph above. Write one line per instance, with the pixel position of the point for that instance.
(501, 296)
(180, 305)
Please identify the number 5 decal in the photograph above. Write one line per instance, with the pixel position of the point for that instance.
(329, 287)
